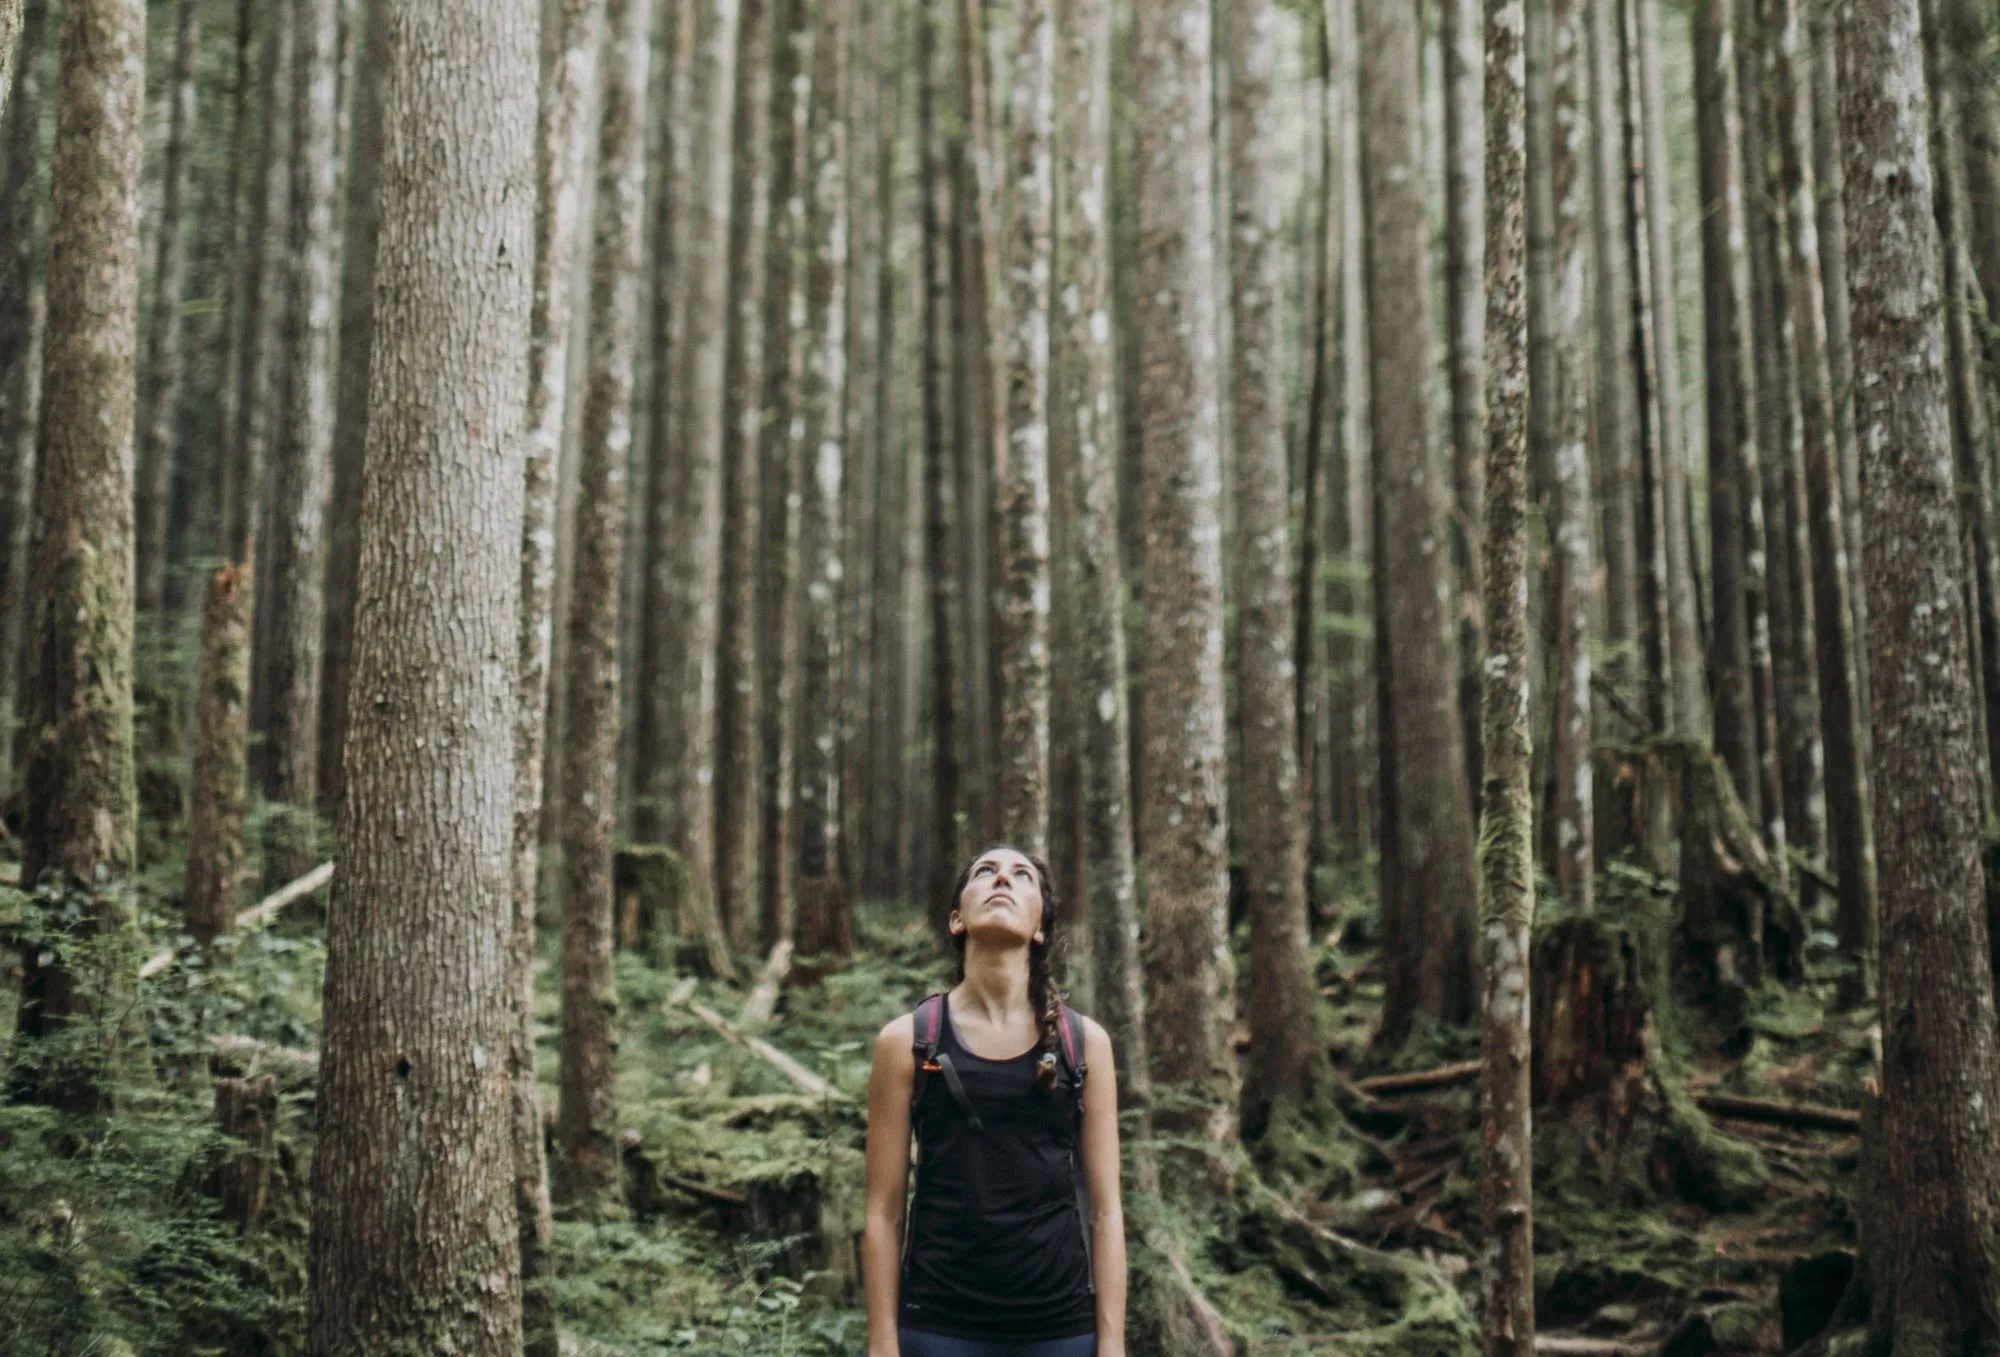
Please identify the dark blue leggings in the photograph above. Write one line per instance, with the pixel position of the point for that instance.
(918, 1344)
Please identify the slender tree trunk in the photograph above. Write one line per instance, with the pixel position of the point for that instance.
(562, 148)
(1558, 273)
(1506, 822)
(1083, 422)
(1183, 844)
(295, 573)
(1465, 316)
(20, 357)
(818, 466)
(80, 814)
(1969, 30)
(243, 186)
(738, 873)
(1731, 390)
(1840, 711)
(587, 1126)
(1021, 630)
(1310, 642)
(160, 390)
(1352, 474)
(362, 170)
(1618, 476)
(1427, 881)
(1940, 1066)
(420, 1003)
(1286, 1065)
(220, 794)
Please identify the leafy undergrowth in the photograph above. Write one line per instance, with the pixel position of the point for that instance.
(1352, 1228)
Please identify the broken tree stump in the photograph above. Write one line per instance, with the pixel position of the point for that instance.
(658, 916)
(246, 1110)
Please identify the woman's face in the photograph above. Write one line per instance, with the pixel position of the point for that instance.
(1002, 900)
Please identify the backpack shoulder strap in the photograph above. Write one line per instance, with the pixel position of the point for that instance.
(1071, 1029)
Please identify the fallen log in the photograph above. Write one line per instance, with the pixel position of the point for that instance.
(1809, 1116)
(759, 1047)
(1567, 1345)
(1441, 1077)
(256, 916)
(240, 1057)
(763, 1001)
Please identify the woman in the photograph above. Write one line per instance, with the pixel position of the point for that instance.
(1002, 1258)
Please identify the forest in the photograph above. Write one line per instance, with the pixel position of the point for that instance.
(538, 537)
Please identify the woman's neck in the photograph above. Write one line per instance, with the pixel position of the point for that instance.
(995, 984)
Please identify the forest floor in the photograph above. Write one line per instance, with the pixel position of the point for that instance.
(744, 1191)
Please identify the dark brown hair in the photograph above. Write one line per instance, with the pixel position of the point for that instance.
(1042, 993)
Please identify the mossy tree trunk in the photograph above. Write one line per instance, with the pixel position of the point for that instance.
(220, 793)
(20, 359)
(419, 1001)
(1940, 1065)
(587, 1120)
(81, 808)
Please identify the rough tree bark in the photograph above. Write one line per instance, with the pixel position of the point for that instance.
(1428, 888)
(1833, 614)
(1506, 821)
(1465, 319)
(586, 1124)
(1617, 476)
(159, 390)
(80, 812)
(1183, 845)
(1082, 418)
(294, 565)
(1021, 622)
(818, 466)
(20, 360)
(1940, 1066)
(562, 149)
(1558, 288)
(220, 793)
(408, 1087)
(738, 857)
(13, 24)
(1286, 1063)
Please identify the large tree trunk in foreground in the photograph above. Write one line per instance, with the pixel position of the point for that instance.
(1287, 1057)
(1941, 1069)
(161, 387)
(1183, 843)
(409, 1085)
(20, 362)
(587, 1125)
(1082, 418)
(220, 794)
(1506, 838)
(1427, 879)
(81, 812)
(1021, 627)
(1940, 1066)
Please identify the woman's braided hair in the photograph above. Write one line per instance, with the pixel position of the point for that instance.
(1042, 992)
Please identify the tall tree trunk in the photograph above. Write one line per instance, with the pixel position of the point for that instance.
(784, 321)
(1969, 30)
(1310, 643)
(1183, 845)
(1940, 1066)
(20, 357)
(562, 149)
(1506, 821)
(242, 191)
(1428, 885)
(1617, 476)
(818, 466)
(295, 569)
(1840, 709)
(1465, 316)
(1351, 475)
(160, 389)
(587, 1125)
(738, 858)
(1286, 1064)
(419, 1001)
(1731, 387)
(1558, 263)
(220, 793)
(1690, 685)
(80, 815)
(362, 170)
(1021, 627)
(1083, 421)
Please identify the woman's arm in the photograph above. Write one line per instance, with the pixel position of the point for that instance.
(889, 1087)
(1100, 1171)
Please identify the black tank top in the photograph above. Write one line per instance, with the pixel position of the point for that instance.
(995, 1246)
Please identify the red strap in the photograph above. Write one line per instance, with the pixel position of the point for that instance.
(1068, 1016)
